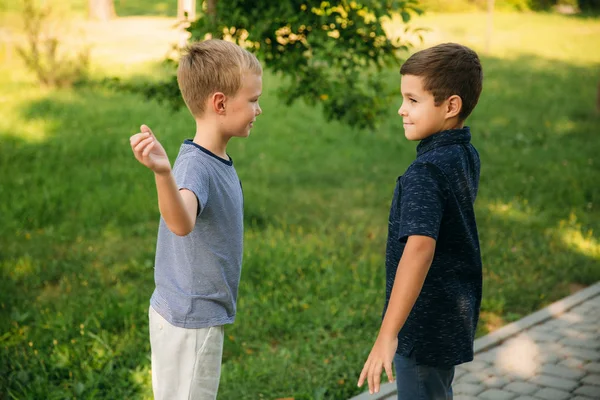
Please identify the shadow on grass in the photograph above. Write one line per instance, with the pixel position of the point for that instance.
(79, 221)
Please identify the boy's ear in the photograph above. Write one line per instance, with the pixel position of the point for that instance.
(454, 105)
(217, 102)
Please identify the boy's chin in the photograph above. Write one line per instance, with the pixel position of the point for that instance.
(243, 134)
(410, 136)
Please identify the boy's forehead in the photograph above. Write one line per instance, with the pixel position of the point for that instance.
(252, 80)
(411, 83)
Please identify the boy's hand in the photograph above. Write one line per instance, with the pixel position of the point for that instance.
(380, 359)
(149, 151)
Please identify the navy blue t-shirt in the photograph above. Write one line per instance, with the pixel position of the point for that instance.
(435, 198)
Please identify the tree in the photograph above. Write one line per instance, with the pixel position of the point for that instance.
(328, 52)
(101, 10)
(186, 10)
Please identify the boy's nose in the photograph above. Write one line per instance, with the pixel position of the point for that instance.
(402, 111)
(258, 111)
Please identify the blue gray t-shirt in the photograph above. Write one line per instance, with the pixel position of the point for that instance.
(435, 198)
(197, 275)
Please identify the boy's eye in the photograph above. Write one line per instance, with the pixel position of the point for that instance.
(412, 100)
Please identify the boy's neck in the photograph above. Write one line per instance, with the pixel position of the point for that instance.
(209, 137)
(453, 123)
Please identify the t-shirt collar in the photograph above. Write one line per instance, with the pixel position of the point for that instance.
(210, 153)
(444, 138)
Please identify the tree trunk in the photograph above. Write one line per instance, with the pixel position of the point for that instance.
(102, 10)
(186, 10)
(598, 99)
(211, 11)
(490, 26)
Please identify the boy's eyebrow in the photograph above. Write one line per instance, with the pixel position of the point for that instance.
(409, 94)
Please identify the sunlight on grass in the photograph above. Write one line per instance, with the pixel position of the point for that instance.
(584, 243)
(142, 378)
(23, 267)
(564, 126)
(499, 121)
(35, 131)
(513, 34)
(514, 210)
(29, 130)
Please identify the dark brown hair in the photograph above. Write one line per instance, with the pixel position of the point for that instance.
(448, 69)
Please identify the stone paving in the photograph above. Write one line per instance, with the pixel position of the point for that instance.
(553, 354)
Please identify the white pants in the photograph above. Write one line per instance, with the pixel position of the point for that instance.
(186, 363)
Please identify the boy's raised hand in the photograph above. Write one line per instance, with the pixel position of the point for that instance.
(149, 151)
(380, 359)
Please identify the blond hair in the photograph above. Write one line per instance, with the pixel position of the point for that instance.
(212, 66)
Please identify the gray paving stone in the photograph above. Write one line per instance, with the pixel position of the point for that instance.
(496, 394)
(573, 363)
(544, 336)
(581, 398)
(589, 391)
(559, 323)
(581, 343)
(594, 313)
(464, 397)
(584, 307)
(495, 382)
(592, 379)
(526, 398)
(541, 328)
(549, 358)
(578, 334)
(554, 382)
(550, 347)
(562, 372)
(584, 354)
(475, 365)
(458, 372)
(475, 377)
(522, 387)
(489, 357)
(587, 327)
(552, 394)
(466, 378)
(571, 317)
(468, 389)
(592, 367)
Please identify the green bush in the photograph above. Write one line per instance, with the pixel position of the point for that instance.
(43, 52)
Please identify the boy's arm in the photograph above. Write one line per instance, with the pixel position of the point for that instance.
(410, 276)
(177, 207)
(424, 193)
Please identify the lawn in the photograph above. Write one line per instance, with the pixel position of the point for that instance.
(78, 217)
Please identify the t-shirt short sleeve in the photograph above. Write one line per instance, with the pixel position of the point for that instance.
(424, 193)
(191, 174)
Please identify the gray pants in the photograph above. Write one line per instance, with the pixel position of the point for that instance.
(420, 382)
(186, 363)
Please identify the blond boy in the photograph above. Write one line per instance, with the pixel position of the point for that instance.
(200, 236)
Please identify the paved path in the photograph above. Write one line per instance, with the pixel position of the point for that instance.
(553, 354)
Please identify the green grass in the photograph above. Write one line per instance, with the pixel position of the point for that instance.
(78, 220)
(123, 8)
